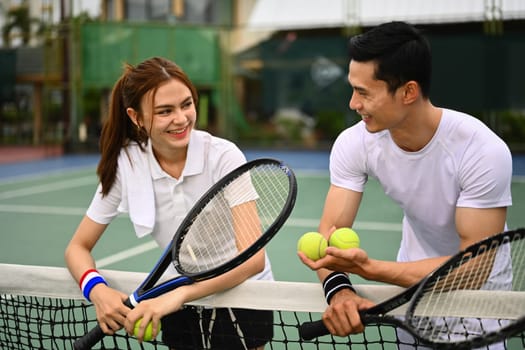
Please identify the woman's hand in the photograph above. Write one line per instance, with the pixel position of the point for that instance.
(110, 308)
(152, 310)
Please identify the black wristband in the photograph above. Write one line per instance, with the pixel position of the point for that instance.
(334, 283)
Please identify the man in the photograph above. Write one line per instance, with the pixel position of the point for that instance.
(449, 173)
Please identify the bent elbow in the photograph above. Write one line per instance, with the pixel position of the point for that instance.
(258, 262)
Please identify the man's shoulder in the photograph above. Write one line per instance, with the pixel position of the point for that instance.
(460, 119)
(467, 127)
(358, 132)
(356, 143)
(473, 142)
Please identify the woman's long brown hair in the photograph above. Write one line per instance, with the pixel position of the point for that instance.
(118, 130)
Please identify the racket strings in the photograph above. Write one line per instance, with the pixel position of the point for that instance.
(455, 307)
(234, 218)
(208, 241)
(518, 257)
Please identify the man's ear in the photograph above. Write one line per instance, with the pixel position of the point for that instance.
(133, 115)
(411, 92)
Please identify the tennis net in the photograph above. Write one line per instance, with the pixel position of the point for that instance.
(42, 308)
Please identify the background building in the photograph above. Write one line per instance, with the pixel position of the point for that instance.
(270, 73)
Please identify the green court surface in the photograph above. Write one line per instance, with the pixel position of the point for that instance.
(39, 214)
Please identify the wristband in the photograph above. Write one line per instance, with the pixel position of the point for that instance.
(334, 283)
(90, 279)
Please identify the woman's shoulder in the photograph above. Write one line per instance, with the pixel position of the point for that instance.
(215, 143)
(133, 153)
(205, 135)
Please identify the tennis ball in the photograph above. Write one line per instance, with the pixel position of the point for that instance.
(148, 332)
(313, 245)
(344, 238)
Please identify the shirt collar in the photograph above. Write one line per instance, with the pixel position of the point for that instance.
(194, 159)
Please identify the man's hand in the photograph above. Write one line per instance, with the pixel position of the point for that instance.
(353, 260)
(342, 315)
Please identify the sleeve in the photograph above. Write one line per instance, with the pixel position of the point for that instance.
(348, 160)
(224, 158)
(104, 209)
(241, 191)
(486, 175)
(230, 159)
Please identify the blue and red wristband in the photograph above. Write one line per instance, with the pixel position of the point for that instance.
(90, 279)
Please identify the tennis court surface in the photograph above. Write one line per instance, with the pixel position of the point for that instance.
(42, 201)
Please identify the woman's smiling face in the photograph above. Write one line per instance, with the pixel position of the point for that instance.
(168, 115)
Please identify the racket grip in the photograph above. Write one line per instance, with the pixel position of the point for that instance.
(311, 330)
(314, 329)
(89, 340)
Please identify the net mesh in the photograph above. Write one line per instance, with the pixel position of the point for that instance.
(51, 313)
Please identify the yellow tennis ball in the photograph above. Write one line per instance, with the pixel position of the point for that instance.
(313, 245)
(148, 332)
(344, 238)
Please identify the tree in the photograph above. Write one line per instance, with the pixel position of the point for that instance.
(19, 17)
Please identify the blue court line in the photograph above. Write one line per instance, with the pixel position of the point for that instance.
(303, 160)
(297, 160)
(46, 166)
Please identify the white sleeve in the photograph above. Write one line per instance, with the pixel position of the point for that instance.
(348, 160)
(486, 175)
(228, 161)
(241, 191)
(104, 209)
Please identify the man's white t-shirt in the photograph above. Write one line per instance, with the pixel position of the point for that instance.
(156, 202)
(464, 165)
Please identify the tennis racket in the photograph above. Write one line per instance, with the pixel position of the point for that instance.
(474, 299)
(228, 225)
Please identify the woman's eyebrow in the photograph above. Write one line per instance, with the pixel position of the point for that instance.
(187, 99)
(164, 106)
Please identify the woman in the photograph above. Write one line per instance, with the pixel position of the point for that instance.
(154, 165)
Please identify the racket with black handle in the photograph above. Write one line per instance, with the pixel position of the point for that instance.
(229, 224)
(474, 299)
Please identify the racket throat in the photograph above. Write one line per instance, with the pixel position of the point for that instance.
(162, 288)
(133, 300)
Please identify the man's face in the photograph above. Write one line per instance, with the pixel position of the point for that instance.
(379, 109)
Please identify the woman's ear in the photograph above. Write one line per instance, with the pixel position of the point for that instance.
(133, 115)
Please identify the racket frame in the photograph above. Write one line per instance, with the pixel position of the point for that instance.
(378, 314)
(149, 287)
(458, 260)
(258, 244)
